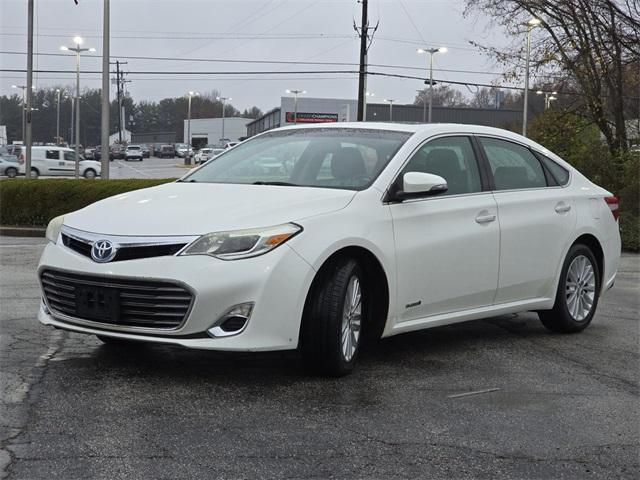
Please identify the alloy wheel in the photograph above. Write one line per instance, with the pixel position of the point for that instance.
(351, 318)
(580, 287)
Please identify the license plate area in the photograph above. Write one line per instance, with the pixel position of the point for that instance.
(100, 304)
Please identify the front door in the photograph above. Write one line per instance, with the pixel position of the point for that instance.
(447, 246)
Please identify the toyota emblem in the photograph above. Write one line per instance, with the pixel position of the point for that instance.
(103, 251)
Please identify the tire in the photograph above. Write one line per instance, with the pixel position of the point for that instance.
(11, 172)
(35, 173)
(331, 338)
(90, 173)
(577, 295)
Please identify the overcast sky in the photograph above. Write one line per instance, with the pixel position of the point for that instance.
(248, 30)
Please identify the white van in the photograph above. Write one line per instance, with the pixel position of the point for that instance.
(58, 161)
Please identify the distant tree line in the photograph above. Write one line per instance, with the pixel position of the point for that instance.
(167, 115)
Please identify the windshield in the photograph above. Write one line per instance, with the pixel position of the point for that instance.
(349, 158)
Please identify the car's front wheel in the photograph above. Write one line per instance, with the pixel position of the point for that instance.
(35, 173)
(90, 173)
(333, 318)
(577, 294)
(11, 172)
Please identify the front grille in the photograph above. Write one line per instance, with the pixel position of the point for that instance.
(125, 253)
(140, 303)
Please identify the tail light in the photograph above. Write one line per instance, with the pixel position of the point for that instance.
(614, 206)
(21, 158)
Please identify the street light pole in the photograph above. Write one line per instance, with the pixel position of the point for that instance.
(104, 121)
(390, 100)
(431, 52)
(295, 104)
(77, 50)
(530, 25)
(58, 116)
(29, 87)
(187, 158)
(548, 97)
(223, 100)
(73, 109)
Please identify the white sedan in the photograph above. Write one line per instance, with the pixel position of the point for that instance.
(365, 230)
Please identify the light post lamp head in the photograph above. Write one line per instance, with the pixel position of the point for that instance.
(92, 49)
(63, 48)
(534, 22)
(78, 40)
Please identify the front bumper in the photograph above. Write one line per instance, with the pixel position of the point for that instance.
(277, 282)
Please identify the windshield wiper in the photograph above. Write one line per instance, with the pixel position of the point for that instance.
(285, 184)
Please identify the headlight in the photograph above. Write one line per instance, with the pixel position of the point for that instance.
(53, 229)
(236, 244)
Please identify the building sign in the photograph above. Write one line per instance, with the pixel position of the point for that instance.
(304, 117)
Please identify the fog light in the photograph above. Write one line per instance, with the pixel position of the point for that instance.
(233, 321)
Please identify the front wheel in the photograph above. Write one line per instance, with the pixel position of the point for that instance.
(35, 173)
(332, 323)
(11, 172)
(577, 295)
(90, 173)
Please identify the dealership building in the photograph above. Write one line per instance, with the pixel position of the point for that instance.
(209, 131)
(328, 110)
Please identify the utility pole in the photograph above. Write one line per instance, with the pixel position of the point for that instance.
(27, 136)
(104, 123)
(223, 100)
(365, 43)
(362, 79)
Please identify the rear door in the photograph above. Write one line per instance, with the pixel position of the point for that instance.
(536, 218)
(447, 246)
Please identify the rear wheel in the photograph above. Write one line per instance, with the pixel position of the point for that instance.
(332, 323)
(577, 294)
(11, 172)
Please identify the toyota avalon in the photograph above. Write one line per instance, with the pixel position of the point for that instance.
(315, 237)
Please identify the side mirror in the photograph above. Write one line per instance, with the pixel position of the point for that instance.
(418, 185)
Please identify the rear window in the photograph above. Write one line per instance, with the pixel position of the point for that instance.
(560, 174)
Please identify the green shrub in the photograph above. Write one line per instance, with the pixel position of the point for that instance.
(34, 202)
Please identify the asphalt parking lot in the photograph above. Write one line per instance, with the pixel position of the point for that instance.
(554, 406)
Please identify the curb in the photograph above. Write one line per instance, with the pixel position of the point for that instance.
(22, 231)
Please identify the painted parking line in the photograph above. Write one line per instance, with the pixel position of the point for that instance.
(137, 170)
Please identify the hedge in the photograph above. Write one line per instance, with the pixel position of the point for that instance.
(34, 202)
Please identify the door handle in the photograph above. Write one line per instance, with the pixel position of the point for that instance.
(485, 218)
(562, 208)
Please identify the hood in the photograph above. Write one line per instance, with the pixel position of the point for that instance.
(199, 208)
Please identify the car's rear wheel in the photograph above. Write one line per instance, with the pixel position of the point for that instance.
(90, 173)
(11, 172)
(333, 318)
(577, 295)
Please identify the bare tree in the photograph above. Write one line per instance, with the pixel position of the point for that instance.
(443, 96)
(589, 42)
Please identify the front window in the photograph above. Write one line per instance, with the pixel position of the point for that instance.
(70, 155)
(349, 158)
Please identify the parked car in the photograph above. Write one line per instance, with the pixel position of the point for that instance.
(182, 150)
(133, 152)
(166, 151)
(116, 152)
(205, 154)
(90, 153)
(157, 150)
(9, 165)
(231, 144)
(146, 152)
(58, 161)
(377, 230)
